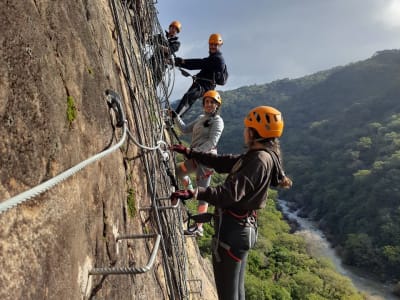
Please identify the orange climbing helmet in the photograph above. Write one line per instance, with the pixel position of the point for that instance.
(177, 25)
(214, 95)
(266, 120)
(215, 38)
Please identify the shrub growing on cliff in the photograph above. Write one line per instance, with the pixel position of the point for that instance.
(71, 110)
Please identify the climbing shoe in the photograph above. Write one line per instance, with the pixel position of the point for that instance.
(194, 231)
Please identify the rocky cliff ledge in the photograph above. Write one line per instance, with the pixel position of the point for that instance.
(57, 59)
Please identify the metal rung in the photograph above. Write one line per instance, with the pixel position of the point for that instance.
(161, 207)
(200, 284)
(135, 236)
(129, 270)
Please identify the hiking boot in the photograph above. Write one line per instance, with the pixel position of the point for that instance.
(194, 230)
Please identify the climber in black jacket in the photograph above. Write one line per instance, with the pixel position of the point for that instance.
(210, 67)
(166, 46)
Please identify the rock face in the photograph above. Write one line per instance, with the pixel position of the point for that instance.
(57, 59)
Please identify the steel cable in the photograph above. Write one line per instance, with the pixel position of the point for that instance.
(41, 188)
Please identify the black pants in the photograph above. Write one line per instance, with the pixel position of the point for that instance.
(195, 92)
(229, 264)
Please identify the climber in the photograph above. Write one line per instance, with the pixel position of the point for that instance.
(206, 131)
(166, 46)
(172, 38)
(244, 191)
(211, 73)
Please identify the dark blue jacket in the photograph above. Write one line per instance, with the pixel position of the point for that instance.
(173, 43)
(208, 66)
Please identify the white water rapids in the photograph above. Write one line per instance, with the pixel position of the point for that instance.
(320, 247)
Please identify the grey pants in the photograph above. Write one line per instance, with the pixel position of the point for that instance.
(203, 174)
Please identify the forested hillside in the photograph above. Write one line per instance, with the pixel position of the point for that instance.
(342, 148)
(281, 266)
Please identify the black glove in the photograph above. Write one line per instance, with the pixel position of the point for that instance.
(182, 194)
(169, 62)
(178, 61)
(180, 149)
(173, 113)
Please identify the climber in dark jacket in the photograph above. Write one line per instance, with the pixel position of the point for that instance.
(210, 67)
(172, 39)
(166, 46)
(244, 192)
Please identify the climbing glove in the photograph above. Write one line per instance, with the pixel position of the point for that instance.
(178, 61)
(182, 194)
(173, 113)
(181, 149)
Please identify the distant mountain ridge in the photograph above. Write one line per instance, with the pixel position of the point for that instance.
(308, 90)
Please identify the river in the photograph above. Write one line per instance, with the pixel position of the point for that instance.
(320, 247)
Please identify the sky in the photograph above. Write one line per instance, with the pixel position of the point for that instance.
(267, 40)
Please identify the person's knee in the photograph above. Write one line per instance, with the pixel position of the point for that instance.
(202, 207)
(187, 183)
(181, 170)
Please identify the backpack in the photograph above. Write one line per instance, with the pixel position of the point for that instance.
(222, 77)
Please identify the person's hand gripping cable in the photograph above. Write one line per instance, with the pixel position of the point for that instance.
(181, 149)
(182, 195)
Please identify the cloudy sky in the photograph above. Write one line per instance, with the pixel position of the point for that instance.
(266, 40)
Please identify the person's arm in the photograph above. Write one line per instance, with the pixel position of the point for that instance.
(236, 186)
(183, 127)
(220, 163)
(192, 63)
(217, 126)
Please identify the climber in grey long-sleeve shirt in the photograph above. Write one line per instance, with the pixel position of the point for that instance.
(206, 131)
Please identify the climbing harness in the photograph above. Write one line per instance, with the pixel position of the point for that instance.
(217, 243)
(248, 219)
(194, 77)
(245, 219)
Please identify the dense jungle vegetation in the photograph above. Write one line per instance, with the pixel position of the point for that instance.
(279, 267)
(342, 148)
